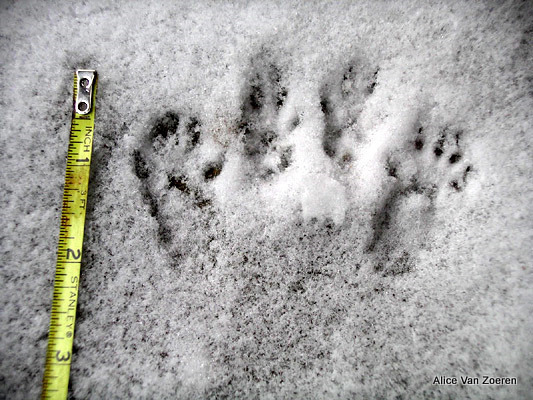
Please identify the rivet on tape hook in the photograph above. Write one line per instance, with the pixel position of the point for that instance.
(85, 79)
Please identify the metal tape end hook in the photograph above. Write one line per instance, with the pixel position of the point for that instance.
(84, 81)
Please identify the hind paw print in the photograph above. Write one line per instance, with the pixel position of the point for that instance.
(431, 165)
(448, 151)
(421, 168)
(172, 168)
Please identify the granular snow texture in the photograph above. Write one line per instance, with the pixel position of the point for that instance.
(288, 200)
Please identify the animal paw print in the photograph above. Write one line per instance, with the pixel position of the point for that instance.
(294, 143)
(172, 171)
(341, 101)
(263, 96)
(447, 150)
(417, 172)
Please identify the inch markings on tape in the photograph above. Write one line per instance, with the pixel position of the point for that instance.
(70, 246)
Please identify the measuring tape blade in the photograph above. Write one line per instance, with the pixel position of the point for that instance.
(69, 250)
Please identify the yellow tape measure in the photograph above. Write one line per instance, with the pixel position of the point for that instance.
(67, 277)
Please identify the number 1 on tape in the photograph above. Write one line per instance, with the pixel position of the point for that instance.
(69, 251)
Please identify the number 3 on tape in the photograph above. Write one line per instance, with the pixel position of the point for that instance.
(70, 247)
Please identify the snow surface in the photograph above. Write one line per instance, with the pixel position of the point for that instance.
(305, 200)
